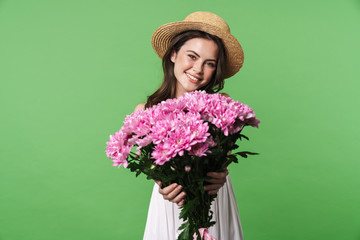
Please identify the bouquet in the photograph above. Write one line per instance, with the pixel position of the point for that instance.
(180, 141)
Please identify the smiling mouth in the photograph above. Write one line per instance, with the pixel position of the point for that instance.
(192, 78)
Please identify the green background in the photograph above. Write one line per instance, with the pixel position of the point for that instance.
(70, 72)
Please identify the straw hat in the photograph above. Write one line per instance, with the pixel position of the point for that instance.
(206, 22)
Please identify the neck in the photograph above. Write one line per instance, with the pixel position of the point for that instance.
(179, 94)
(179, 91)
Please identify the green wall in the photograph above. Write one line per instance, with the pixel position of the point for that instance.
(70, 71)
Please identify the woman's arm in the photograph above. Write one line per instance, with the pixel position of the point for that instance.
(140, 106)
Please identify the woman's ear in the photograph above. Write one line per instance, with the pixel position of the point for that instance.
(173, 56)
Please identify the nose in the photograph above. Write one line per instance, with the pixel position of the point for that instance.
(198, 68)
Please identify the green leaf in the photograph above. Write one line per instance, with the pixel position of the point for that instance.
(183, 226)
(188, 206)
(243, 136)
(245, 154)
(184, 235)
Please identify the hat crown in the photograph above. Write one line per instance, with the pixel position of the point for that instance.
(208, 18)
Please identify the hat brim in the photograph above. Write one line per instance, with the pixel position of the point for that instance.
(164, 34)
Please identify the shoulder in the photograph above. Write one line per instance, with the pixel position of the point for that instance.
(140, 106)
(225, 94)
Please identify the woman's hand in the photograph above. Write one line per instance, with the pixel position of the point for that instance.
(173, 193)
(217, 180)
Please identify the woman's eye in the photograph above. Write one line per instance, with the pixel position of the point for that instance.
(192, 57)
(211, 64)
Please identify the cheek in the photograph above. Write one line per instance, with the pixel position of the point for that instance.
(209, 72)
(184, 62)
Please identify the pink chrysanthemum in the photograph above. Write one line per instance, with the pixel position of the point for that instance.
(178, 125)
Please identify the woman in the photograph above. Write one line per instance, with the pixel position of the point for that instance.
(198, 54)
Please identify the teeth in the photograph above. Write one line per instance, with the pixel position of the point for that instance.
(193, 78)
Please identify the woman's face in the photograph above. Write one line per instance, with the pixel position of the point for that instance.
(194, 64)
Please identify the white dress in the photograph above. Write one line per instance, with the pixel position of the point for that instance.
(163, 217)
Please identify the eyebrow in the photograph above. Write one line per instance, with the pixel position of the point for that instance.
(199, 55)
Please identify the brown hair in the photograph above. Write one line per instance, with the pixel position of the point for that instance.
(168, 87)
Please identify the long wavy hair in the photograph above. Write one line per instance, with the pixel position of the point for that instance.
(168, 87)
